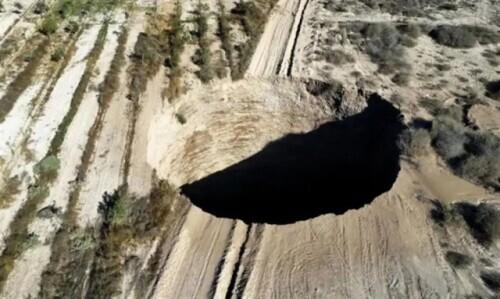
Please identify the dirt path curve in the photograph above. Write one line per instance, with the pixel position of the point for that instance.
(272, 46)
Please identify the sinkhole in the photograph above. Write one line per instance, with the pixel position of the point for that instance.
(339, 166)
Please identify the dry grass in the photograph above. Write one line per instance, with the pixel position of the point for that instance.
(73, 248)
(24, 79)
(11, 187)
(126, 221)
(253, 17)
(45, 171)
(202, 56)
(463, 36)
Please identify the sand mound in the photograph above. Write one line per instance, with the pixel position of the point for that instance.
(219, 125)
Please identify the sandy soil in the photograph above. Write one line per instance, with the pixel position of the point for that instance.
(9, 17)
(70, 156)
(106, 170)
(140, 173)
(52, 114)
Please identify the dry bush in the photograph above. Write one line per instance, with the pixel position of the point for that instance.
(458, 260)
(463, 36)
(338, 57)
(448, 137)
(493, 90)
(491, 279)
(49, 25)
(401, 79)
(383, 42)
(483, 221)
(23, 80)
(471, 154)
(203, 56)
(253, 17)
(415, 142)
(11, 187)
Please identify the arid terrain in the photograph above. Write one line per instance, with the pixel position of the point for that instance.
(249, 149)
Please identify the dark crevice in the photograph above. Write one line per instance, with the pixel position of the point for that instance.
(296, 38)
(339, 166)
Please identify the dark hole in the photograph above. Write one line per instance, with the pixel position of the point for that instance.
(341, 165)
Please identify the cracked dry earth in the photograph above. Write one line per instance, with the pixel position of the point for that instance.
(288, 182)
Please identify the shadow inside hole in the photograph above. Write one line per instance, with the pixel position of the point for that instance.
(339, 166)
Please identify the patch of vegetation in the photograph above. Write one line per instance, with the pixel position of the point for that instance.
(57, 55)
(146, 61)
(176, 39)
(442, 214)
(463, 36)
(180, 118)
(458, 260)
(338, 57)
(73, 248)
(224, 34)
(202, 56)
(384, 43)
(126, 221)
(65, 9)
(40, 7)
(415, 142)
(23, 80)
(79, 92)
(491, 279)
(493, 90)
(401, 79)
(156, 47)
(18, 239)
(49, 25)
(45, 172)
(483, 221)
(9, 46)
(12, 186)
(252, 16)
(470, 154)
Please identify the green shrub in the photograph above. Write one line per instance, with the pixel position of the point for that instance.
(23, 79)
(49, 25)
(401, 79)
(180, 118)
(493, 90)
(224, 34)
(383, 43)
(202, 56)
(252, 16)
(48, 168)
(415, 142)
(11, 187)
(338, 57)
(491, 279)
(444, 213)
(453, 36)
(448, 137)
(471, 154)
(463, 36)
(483, 221)
(40, 7)
(458, 260)
(57, 55)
